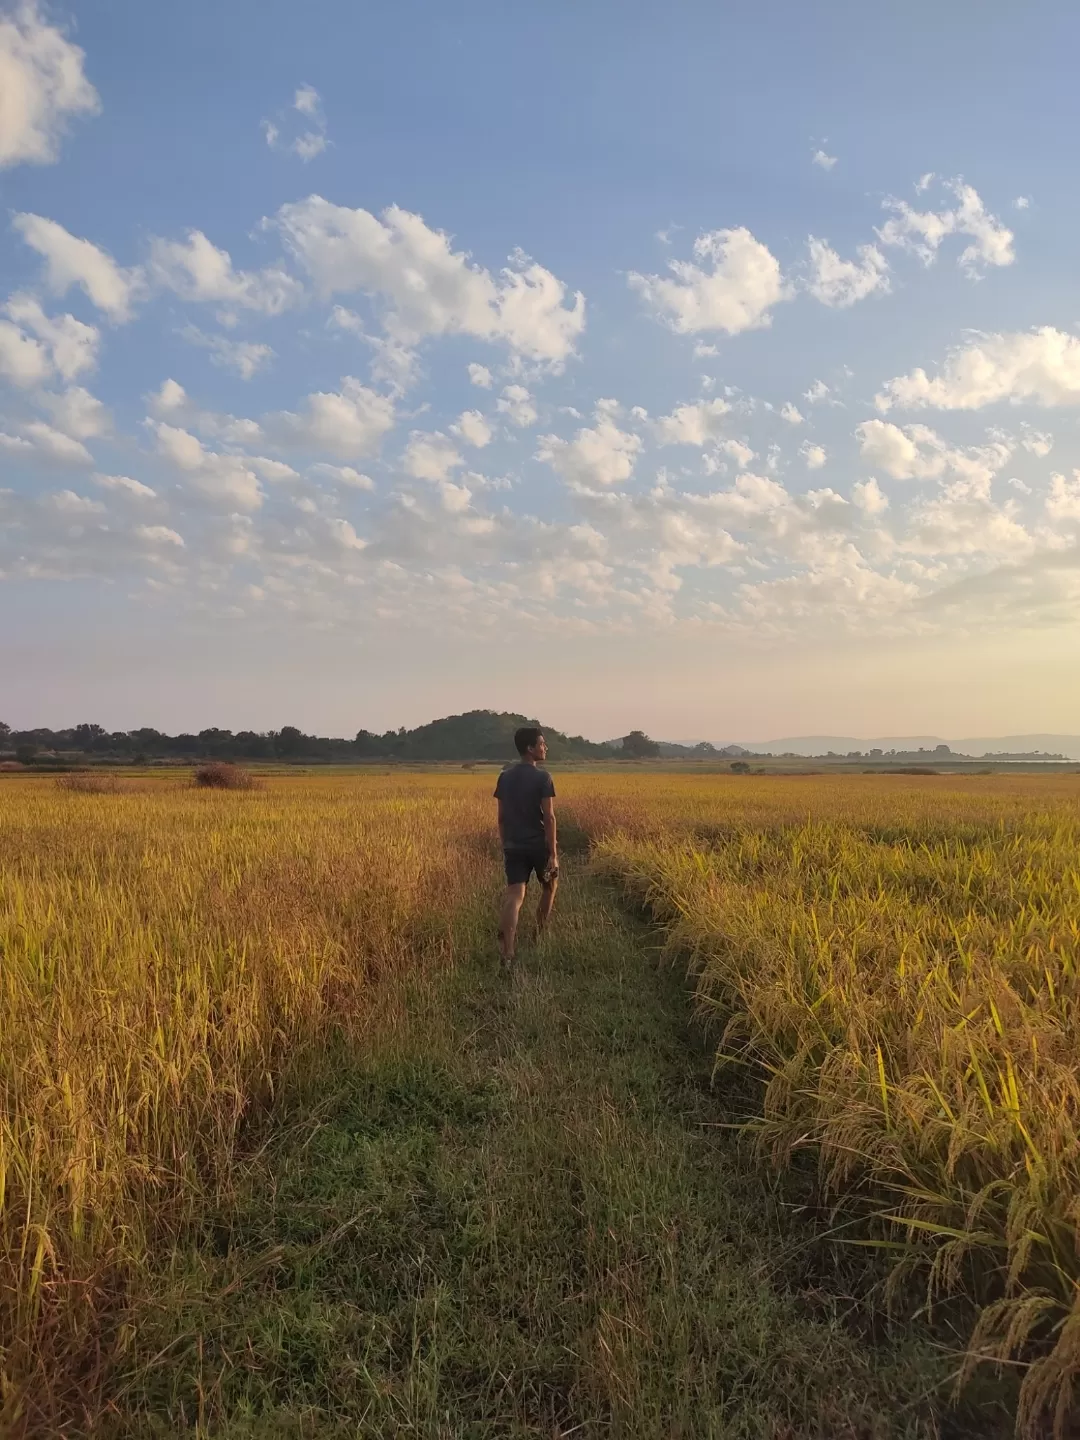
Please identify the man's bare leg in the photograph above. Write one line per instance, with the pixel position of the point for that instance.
(543, 910)
(508, 922)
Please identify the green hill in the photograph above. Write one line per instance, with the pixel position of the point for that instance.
(476, 735)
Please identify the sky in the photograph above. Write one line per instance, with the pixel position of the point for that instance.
(706, 368)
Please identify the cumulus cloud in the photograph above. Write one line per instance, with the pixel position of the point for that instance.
(345, 423)
(308, 143)
(601, 455)
(430, 456)
(70, 261)
(430, 288)
(823, 161)
(868, 496)
(342, 475)
(126, 487)
(76, 412)
(922, 232)
(471, 427)
(44, 444)
(841, 283)
(226, 481)
(42, 87)
(197, 270)
(792, 414)
(814, 455)
(1041, 366)
(480, 376)
(818, 392)
(693, 424)
(1063, 500)
(915, 452)
(70, 345)
(245, 357)
(516, 404)
(732, 287)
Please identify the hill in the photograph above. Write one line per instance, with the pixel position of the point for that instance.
(478, 735)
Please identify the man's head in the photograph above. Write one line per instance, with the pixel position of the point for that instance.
(530, 743)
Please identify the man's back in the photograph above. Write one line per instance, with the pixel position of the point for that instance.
(521, 790)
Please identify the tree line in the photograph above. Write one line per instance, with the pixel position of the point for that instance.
(477, 735)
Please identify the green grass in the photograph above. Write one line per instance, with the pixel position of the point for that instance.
(518, 1216)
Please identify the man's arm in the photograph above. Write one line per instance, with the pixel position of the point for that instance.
(502, 837)
(547, 807)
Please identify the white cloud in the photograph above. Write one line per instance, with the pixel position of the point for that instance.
(244, 356)
(172, 397)
(197, 270)
(227, 481)
(963, 520)
(1022, 202)
(517, 405)
(42, 86)
(45, 444)
(77, 413)
(308, 144)
(922, 232)
(472, 428)
(814, 455)
(1036, 442)
(159, 535)
(124, 485)
(430, 288)
(818, 392)
(732, 289)
(602, 455)
(1041, 366)
(823, 161)
(841, 283)
(70, 260)
(1063, 501)
(693, 424)
(868, 496)
(342, 475)
(276, 471)
(792, 414)
(918, 453)
(430, 456)
(23, 360)
(344, 423)
(738, 451)
(72, 345)
(480, 376)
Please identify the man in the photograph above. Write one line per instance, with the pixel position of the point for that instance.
(526, 796)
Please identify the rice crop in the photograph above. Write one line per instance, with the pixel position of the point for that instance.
(898, 960)
(168, 958)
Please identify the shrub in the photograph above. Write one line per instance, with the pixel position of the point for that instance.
(220, 775)
(86, 782)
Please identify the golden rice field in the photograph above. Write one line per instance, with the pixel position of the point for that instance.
(166, 955)
(895, 958)
(899, 960)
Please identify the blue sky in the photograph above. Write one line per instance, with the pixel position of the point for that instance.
(709, 368)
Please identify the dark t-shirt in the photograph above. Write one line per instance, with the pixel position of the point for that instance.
(520, 789)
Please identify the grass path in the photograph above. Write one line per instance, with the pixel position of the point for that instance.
(515, 1217)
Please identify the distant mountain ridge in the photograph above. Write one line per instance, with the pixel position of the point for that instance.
(1067, 745)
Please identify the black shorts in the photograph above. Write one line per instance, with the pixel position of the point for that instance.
(520, 865)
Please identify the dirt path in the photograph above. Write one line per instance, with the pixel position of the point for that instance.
(516, 1217)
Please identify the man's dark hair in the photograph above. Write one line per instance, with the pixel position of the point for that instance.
(526, 738)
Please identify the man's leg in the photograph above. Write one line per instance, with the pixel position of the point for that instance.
(547, 900)
(508, 921)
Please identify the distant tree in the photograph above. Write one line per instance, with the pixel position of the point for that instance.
(289, 741)
(88, 737)
(5, 731)
(942, 750)
(704, 748)
(25, 752)
(740, 767)
(638, 746)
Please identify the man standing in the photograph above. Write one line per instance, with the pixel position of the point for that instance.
(526, 796)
